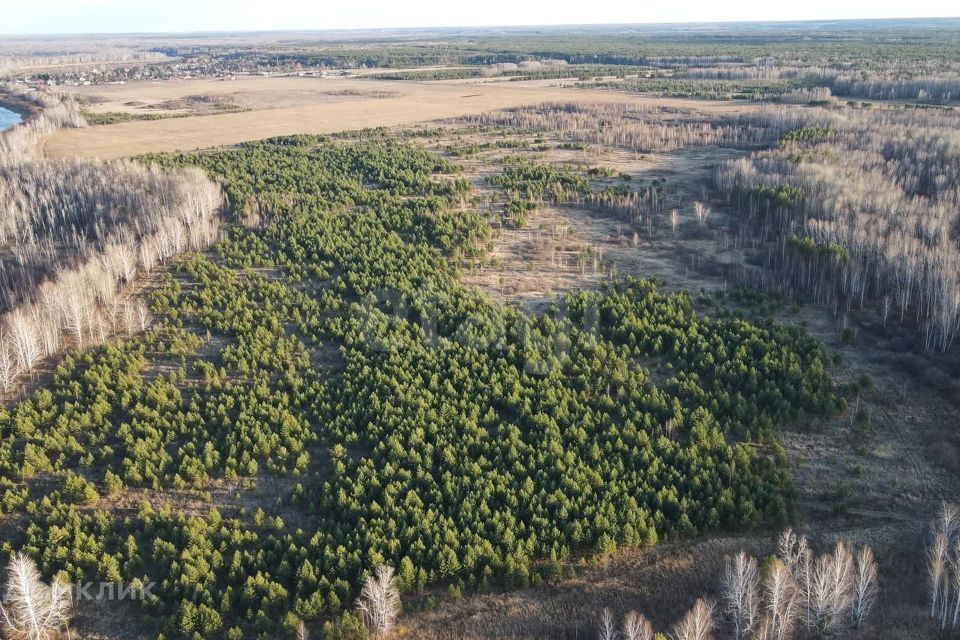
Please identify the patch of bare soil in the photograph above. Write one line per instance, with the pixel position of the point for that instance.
(893, 452)
(103, 619)
(536, 262)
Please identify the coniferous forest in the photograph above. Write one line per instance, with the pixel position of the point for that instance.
(327, 344)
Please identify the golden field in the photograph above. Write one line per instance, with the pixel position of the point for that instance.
(276, 106)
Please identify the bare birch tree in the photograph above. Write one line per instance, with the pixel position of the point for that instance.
(948, 520)
(780, 594)
(702, 211)
(8, 363)
(938, 576)
(637, 627)
(741, 594)
(608, 626)
(827, 603)
(847, 230)
(865, 587)
(697, 624)
(31, 609)
(75, 232)
(955, 582)
(379, 602)
(843, 574)
(144, 317)
(25, 339)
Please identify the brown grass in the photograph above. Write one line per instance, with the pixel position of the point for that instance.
(663, 582)
(285, 106)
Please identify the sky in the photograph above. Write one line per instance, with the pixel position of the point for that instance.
(23, 17)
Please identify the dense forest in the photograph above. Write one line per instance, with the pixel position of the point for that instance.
(327, 343)
(858, 207)
(76, 233)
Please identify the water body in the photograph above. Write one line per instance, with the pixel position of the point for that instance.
(8, 118)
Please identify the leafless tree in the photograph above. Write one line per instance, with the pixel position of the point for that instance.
(844, 572)
(25, 339)
(121, 261)
(868, 215)
(697, 624)
(75, 232)
(379, 602)
(796, 553)
(955, 581)
(938, 575)
(8, 363)
(78, 53)
(147, 253)
(31, 609)
(943, 566)
(948, 520)
(781, 599)
(828, 594)
(741, 594)
(608, 626)
(702, 211)
(76, 305)
(47, 329)
(144, 317)
(126, 317)
(637, 126)
(302, 633)
(57, 112)
(637, 627)
(634, 207)
(865, 587)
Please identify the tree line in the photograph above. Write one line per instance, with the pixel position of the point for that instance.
(76, 234)
(857, 207)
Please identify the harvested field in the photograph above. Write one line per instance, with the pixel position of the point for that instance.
(246, 93)
(306, 105)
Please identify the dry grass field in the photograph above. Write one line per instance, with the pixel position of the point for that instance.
(290, 105)
(531, 264)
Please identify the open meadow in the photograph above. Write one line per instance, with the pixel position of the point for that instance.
(284, 106)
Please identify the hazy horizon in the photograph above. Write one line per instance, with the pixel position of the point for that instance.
(483, 28)
(115, 17)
